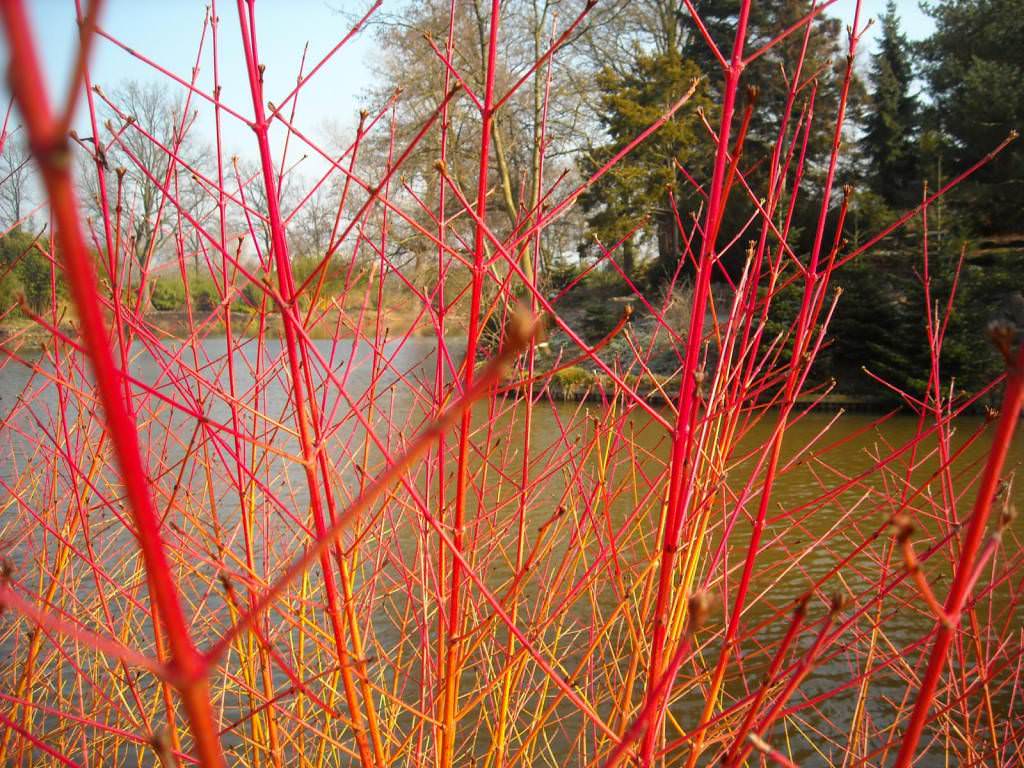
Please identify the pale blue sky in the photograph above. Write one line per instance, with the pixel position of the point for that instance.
(167, 31)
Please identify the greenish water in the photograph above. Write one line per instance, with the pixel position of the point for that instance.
(604, 538)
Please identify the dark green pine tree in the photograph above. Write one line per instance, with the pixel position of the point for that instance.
(879, 326)
(890, 138)
(823, 66)
(989, 286)
(822, 70)
(634, 193)
(634, 96)
(974, 65)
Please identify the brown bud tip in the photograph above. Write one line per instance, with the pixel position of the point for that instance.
(160, 741)
(903, 525)
(540, 333)
(441, 167)
(1009, 514)
(800, 609)
(698, 606)
(836, 603)
(1002, 334)
(521, 328)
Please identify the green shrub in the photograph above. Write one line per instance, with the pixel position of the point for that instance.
(34, 272)
(168, 294)
(10, 289)
(600, 319)
(25, 270)
(561, 274)
(251, 298)
(333, 277)
(204, 298)
(572, 381)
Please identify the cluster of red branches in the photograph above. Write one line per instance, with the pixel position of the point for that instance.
(238, 548)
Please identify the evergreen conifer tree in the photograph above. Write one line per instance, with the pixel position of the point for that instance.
(891, 123)
(634, 194)
(974, 65)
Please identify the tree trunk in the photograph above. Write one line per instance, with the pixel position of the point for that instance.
(628, 257)
(669, 244)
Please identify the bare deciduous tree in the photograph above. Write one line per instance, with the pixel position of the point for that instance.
(147, 134)
(536, 131)
(15, 179)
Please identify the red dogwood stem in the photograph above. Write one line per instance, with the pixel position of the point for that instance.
(949, 625)
(53, 156)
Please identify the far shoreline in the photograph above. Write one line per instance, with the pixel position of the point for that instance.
(575, 384)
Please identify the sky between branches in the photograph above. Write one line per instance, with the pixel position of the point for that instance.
(167, 31)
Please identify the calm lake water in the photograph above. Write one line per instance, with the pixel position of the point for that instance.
(851, 446)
